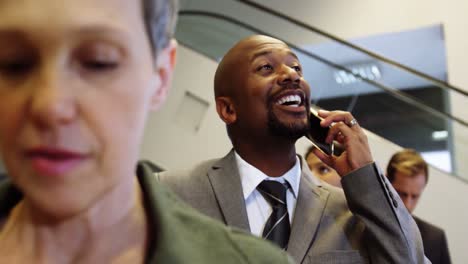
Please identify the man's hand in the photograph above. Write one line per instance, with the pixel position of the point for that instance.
(345, 130)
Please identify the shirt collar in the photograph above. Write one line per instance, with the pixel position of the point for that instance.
(251, 177)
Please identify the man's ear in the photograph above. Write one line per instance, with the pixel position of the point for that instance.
(226, 110)
(165, 62)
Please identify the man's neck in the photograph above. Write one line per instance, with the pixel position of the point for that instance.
(88, 237)
(272, 159)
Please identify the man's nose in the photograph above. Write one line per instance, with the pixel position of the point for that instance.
(409, 203)
(52, 100)
(288, 75)
(406, 201)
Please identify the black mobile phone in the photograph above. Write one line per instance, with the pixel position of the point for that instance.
(317, 134)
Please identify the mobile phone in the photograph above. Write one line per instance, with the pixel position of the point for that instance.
(317, 134)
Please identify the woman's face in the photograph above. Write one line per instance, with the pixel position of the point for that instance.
(323, 171)
(77, 79)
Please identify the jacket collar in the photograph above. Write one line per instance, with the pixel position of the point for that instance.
(311, 202)
(225, 181)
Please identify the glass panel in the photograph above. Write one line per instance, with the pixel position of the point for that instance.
(416, 116)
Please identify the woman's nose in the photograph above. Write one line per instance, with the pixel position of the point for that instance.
(52, 100)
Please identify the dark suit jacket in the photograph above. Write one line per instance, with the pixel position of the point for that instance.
(374, 228)
(434, 241)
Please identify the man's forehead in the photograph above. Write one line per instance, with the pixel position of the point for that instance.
(262, 48)
(269, 50)
(256, 43)
(410, 179)
(251, 47)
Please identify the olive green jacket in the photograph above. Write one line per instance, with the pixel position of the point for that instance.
(181, 234)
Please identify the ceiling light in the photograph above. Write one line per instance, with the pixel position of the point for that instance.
(357, 72)
(439, 135)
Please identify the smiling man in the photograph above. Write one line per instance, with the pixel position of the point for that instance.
(264, 187)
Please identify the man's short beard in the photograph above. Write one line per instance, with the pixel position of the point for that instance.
(281, 129)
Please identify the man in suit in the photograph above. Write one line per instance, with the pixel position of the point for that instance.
(408, 173)
(264, 187)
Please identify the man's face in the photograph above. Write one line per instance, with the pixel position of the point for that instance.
(271, 92)
(323, 171)
(77, 79)
(409, 188)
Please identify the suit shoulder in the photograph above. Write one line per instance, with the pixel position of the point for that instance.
(194, 187)
(332, 196)
(184, 175)
(336, 197)
(426, 226)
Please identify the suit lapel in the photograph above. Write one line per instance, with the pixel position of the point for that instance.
(225, 181)
(311, 202)
(310, 206)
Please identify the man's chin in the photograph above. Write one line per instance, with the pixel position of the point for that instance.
(291, 131)
(287, 127)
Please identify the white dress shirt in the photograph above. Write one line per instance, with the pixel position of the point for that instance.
(258, 209)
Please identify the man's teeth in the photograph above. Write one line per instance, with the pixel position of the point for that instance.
(290, 100)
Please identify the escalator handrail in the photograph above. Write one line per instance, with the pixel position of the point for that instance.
(395, 92)
(301, 24)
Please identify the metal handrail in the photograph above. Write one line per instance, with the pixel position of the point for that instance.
(395, 92)
(296, 22)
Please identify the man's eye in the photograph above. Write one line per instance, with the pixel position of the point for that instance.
(402, 194)
(297, 68)
(16, 67)
(266, 67)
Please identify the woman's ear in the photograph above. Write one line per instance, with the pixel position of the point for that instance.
(165, 63)
(226, 109)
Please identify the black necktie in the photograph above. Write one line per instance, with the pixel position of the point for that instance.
(277, 228)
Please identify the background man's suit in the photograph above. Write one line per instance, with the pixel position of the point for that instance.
(323, 229)
(434, 241)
